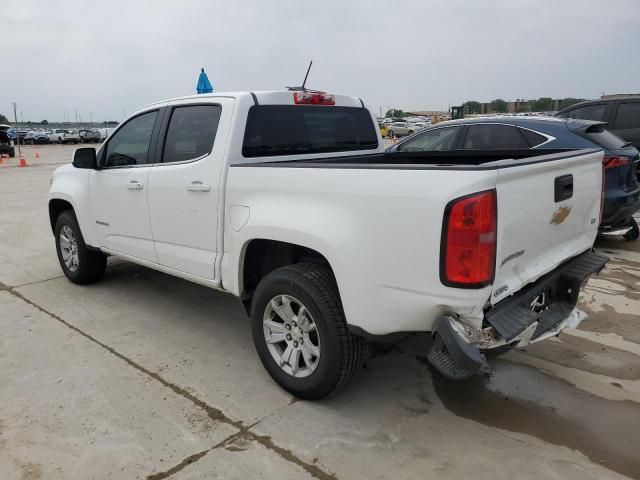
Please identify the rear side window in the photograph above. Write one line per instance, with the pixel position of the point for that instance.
(304, 129)
(532, 137)
(628, 116)
(604, 138)
(191, 132)
(438, 139)
(492, 136)
(588, 112)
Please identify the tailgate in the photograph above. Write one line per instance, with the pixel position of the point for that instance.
(548, 212)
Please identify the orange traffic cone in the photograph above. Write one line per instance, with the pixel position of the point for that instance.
(37, 156)
(1, 158)
(23, 161)
(394, 139)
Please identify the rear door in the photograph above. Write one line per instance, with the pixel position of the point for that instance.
(184, 193)
(548, 212)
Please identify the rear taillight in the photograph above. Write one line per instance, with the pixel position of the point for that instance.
(313, 98)
(614, 161)
(468, 248)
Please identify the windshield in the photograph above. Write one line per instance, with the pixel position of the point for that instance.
(301, 129)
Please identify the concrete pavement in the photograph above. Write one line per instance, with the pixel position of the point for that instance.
(148, 376)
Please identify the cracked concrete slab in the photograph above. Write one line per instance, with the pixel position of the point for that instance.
(393, 420)
(240, 459)
(69, 407)
(187, 333)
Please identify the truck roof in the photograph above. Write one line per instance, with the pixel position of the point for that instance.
(267, 97)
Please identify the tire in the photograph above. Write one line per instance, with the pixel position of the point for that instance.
(340, 353)
(634, 233)
(91, 264)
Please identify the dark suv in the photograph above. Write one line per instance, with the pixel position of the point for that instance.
(6, 142)
(512, 134)
(622, 115)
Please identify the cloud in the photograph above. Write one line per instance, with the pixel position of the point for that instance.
(114, 56)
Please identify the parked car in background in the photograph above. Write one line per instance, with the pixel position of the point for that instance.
(516, 134)
(401, 129)
(622, 115)
(105, 132)
(6, 142)
(21, 134)
(63, 135)
(36, 137)
(90, 135)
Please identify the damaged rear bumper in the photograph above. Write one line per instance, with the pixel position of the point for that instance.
(539, 311)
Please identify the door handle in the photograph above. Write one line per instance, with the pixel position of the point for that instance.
(563, 187)
(134, 185)
(198, 186)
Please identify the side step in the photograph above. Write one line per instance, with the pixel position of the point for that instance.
(450, 355)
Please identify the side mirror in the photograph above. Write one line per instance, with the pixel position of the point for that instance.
(85, 158)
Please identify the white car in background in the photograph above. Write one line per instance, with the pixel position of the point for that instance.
(402, 129)
(63, 135)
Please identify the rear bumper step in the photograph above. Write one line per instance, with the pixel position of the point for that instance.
(555, 294)
(450, 355)
(538, 311)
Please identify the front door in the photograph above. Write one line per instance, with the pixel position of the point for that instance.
(184, 185)
(118, 191)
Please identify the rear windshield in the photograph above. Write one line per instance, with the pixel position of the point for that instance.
(305, 129)
(604, 138)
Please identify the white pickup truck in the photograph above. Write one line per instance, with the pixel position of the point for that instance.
(63, 135)
(287, 200)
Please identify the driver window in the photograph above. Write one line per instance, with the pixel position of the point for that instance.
(435, 140)
(130, 144)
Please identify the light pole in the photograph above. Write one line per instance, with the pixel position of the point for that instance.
(15, 117)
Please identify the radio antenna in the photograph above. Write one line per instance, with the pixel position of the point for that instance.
(304, 81)
(305, 77)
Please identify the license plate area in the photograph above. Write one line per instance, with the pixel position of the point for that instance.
(548, 301)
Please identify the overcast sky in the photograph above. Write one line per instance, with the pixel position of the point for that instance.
(111, 56)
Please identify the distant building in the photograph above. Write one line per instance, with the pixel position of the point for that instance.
(619, 95)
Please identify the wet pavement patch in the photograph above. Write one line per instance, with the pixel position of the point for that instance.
(520, 399)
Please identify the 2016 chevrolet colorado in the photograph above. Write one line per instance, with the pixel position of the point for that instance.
(287, 200)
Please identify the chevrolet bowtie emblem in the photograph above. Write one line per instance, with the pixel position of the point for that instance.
(560, 215)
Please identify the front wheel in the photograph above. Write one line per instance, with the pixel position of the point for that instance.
(634, 233)
(80, 264)
(300, 332)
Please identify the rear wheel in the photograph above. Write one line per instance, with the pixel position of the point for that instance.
(634, 233)
(300, 332)
(80, 264)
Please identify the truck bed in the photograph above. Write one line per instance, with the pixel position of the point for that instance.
(485, 159)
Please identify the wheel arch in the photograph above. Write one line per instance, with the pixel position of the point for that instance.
(261, 256)
(56, 207)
